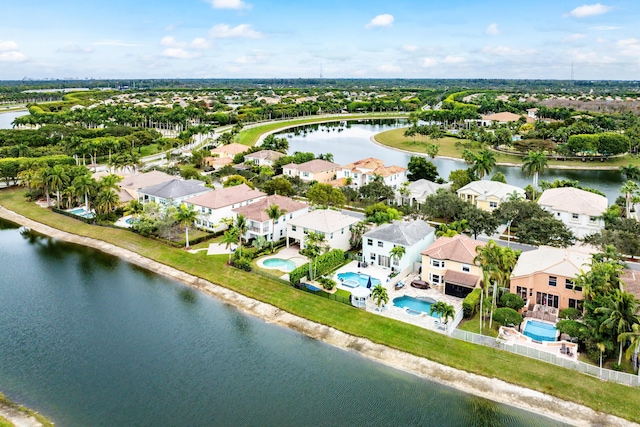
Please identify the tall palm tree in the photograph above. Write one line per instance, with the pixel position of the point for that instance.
(85, 185)
(229, 238)
(186, 216)
(633, 337)
(106, 201)
(629, 189)
(314, 245)
(621, 316)
(630, 171)
(443, 310)
(484, 163)
(534, 164)
(274, 212)
(397, 252)
(58, 178)
(241, 225)
(380, 295)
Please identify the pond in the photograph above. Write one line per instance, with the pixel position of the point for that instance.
(88, 339)
(6, 118)
(349, 140)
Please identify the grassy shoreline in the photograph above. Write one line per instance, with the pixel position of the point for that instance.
(395, 139)
(5, 402)
(569, 385)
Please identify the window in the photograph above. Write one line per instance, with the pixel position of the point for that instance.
(342, 231)
(548, 300)
(290, 216)
(305, 174)
(369, 242)
(574, 216)
(373, 256)
(592, 219)
(466, 268)
(437, 263)
(575, 303)
(331, 236)
(553, 281)
(293, 228)
(435, 278)
(281, 232)
(568, 284)
(522, 292)
(380, 244)
(493, 205)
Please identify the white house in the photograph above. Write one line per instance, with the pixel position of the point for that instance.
(263, 157)
(579, 210)
(217, 205)
(260, 223)
(335, 226)
(173, 192)
(363, 171)
(418, 191)
(414, 236)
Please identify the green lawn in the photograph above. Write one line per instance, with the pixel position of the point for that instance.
(395, 138)
(563, 383)
(473, 325)
(250, 136)
(148, 150)
(5, 422)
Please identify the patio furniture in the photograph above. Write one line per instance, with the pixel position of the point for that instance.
(420, 284)
(399, 285)
(563, 349)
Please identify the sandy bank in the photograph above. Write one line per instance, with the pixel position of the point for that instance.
(489, 388)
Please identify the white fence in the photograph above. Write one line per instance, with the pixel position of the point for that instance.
(545, 356)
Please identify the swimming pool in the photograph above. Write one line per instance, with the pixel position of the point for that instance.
(413, 305)
(82, 212)
(351, 280)
(540, 331)
(279, 264)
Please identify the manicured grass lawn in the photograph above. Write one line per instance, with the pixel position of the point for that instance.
(250, 136)
(395, 138)
(563, 383)
(473, 325)
(149, 150)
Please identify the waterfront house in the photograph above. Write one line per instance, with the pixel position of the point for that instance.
(335, 226)
(545, 276)
(314, 170)
(259, 222)
(229, 150)
(488, 195)
(448, 263)
(579, 210)
(130, 185)
(263, 157)
(217, 205)
(414, 236)
(362, 172)
(173, 192)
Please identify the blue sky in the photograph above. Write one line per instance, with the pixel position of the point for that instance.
(350, 38)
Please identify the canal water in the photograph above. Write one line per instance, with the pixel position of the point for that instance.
(349, 141)
(6, 118)
(90, 340)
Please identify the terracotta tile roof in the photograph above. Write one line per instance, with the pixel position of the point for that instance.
(460, 278)
(458, 248)
(257, 211)
(317, 165)
(368, 163)
(226, 197)
(233, 148)
(502, 117)
(388, 170)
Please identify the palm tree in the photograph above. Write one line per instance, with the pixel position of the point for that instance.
(106, 201)
(314, 245)
(630, 171)
(397, 252)
(241, 225)
(58, 178)
(274, 212)
(85, 186)
(186, 216)
(443, 310)
(633, 338)
(229, 238)
(484, 163)
(534, 164)
(134, 208)
(629, 189)
(432, 150)
(621, 316)
(380, 295)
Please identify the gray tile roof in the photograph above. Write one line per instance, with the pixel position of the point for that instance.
(175, 189)
(401, 233)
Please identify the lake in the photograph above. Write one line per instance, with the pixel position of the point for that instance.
(6, 118)
(349, 141)
(88, 339)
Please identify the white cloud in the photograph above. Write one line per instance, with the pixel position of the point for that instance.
(171, 41)
(492, 30)
(199, 43)
(429, 62)
(117, 43)
(589, 10)
(13, 56)
(591, 58)
(410, 48)
(74, 48)
(505, 51)
(224, 31)
(574, 37)
(389, 68)
(178, 53)
(453, 60)
(252, 59)
(229, 4)
(384, 20)
(9, 52)
(605, 28)
(630, 47)
(8, 45)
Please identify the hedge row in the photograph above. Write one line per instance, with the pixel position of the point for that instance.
(606, 143)
(323, 264)
(471, 303)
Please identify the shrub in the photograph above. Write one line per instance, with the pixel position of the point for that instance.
(327, 283)
(616, 367)
(323, 264)
(571, 327)
(242, 263)
(512, 301)
(507, 316)
(471, 302)
(569, 313)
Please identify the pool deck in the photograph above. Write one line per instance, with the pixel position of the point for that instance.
(512, 336)
(290, 254)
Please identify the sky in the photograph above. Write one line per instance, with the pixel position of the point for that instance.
(127, 39)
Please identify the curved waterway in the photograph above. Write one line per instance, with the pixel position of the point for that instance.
(7, 118)
(349, 140)
(88, 339)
